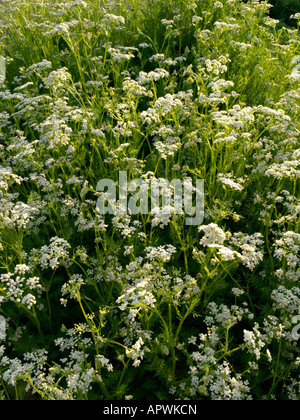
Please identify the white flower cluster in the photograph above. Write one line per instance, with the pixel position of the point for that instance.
(287, 169)
(162, 216)
(225, 385)
(111, 19)
(134, 88)
(231, 181)
(246, 248)
(7, 178)
(295, 16)
(16, 370)
(254, 341)
(162, 253)
(152, 76)
(145, 279)
(119, 54)
(52, 255)
(19, 215)
(237, 117)
(104, 362)
(287, 299)
(225, 316)
(137, 352)
(139, 294)
(251, 248)
(62, 28)
(72, 288)
(217, 67)
(224, 26)
(19, 287)
(213, 379)
(214, 235)
(54, 132)
(165, 106)
(57, 79)
(288, 249)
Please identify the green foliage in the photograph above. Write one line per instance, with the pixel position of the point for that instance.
(144, 306)
(284, 9)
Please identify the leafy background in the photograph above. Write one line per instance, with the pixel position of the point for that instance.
(64, 113)
(283, 9)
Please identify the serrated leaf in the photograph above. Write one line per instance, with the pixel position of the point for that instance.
(2, 67)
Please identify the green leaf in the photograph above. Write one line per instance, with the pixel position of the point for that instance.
(2, 67)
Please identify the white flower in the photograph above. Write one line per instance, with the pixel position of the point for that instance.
(52, 255)
(104, 362)
(269, 356)
(295, 16)
(237, 292)
(29, 300)
(288, 299)
(113, 19)
(254, 341)
(155, 75)
(213, 235)
(227, 254)
(227, 180)
(162, 253)
(57, 79)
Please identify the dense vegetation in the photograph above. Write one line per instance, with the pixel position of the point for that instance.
(284, 9)
(124, 306)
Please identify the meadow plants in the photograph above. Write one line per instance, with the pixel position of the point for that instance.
(142, 305)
